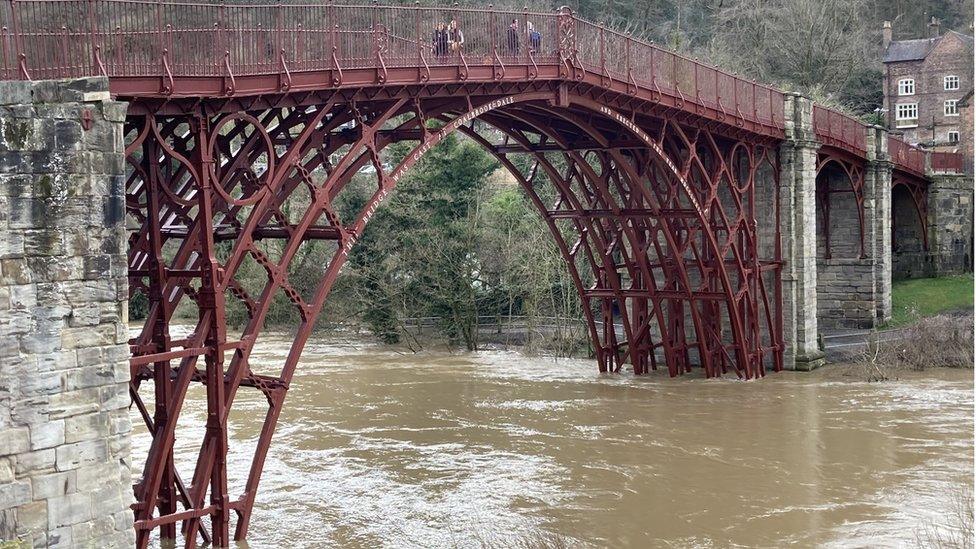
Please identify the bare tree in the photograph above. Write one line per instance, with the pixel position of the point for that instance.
(816, 46)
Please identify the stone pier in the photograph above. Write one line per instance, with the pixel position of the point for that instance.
(64, 420)
(798, 177)
(843, 282)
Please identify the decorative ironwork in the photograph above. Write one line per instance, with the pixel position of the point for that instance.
(656, 222)
(248, 121)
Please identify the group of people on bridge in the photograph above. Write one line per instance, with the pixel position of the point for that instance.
(449, 38)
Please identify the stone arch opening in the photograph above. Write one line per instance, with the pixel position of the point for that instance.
(909, 229)
(845, 276)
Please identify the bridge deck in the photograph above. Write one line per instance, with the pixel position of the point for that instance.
(214, 51)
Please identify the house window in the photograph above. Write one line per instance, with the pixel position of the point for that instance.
(950, 108)
(953, 136)
(906, 86)
(950, 82)
(906, 115)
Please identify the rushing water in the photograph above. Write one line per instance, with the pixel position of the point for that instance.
(377, 448)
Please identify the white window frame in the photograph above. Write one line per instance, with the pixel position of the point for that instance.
(950, 78)
(950, 107)
(899, 117)
(906, 86)
(949, 138)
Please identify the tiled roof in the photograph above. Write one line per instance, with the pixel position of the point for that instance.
(909, 50)
(913, 50)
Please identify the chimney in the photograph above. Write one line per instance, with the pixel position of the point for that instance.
(885, 35)
(934, 28)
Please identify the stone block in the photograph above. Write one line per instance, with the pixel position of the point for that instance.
(14, 493)
(12, 246)
(30, 462)
(6, 470)
(15, 271)
(85, 427)
(72, 456)
(115, 397)
(89, 355)
(72, 403)
(47, 435)
(54, 485)
(68, 510)
(59, 537)
(67, 135)
(56, 362)
(40, 385)
(14, 441)
(96, 476)
(114, 111)
(87, 336)
(97, 266)
(89, 376)
(32, 517)
(15, 92)
(40, 243)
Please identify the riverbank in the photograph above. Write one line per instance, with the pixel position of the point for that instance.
(913, 299)
(940, 341)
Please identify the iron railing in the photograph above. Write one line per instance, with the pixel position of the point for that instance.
(43, 39)
(49, 39)
(907, 157)
(946, 162)
(839, 130)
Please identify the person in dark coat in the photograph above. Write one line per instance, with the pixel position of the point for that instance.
(513, 38)
(439, 41)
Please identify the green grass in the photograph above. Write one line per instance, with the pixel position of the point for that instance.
(923, 297)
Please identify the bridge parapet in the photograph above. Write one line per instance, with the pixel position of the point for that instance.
(164, 49)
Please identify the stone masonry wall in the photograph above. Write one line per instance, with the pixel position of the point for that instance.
(950, 199)
(64, 424)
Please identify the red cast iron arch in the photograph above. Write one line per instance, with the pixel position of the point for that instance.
(644, 211)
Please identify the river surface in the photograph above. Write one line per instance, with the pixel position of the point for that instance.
(378, 448)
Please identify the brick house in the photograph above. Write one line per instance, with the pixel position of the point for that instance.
(924, 80)
(966, 130)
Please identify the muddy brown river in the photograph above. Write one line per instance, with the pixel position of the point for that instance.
(378, 448)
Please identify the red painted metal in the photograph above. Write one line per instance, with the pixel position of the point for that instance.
(840, 130)
(654, 218)
(248, 121)
(946, 162)
(906, 157)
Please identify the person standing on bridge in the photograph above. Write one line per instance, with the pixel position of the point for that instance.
(440, 40)
(455, 36)
(535, 37)
(513, 38)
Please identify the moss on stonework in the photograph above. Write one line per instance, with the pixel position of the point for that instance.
(44, 186)
(16, 134)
